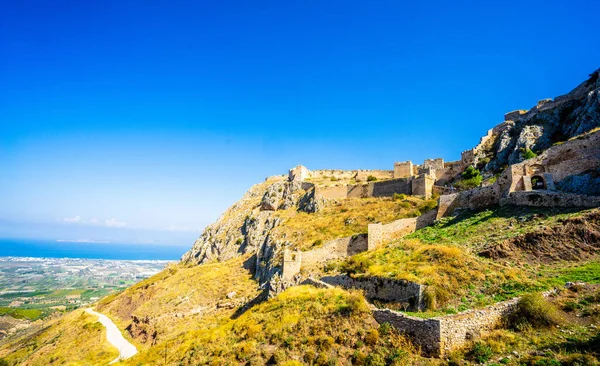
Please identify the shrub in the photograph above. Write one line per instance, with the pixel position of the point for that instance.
(526, 153)
(375, 359)
(309, 356)
(371, 178)
(534, 311)
(359, 358)
(399, 196)
(480, 353)
(470, 178)
(372, 337)
(385, 328)
(325, 343)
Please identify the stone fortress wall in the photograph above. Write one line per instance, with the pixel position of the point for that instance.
(551, 168)
(383, 289)
(543, 181)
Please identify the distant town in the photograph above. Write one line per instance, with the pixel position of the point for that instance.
(32, 288)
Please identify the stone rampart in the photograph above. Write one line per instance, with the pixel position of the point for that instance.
(549, 199)
(384, 289)
(403, 169)
(363, 175)
(337, 248)
(438, 336)
(389, 187)
(379, 233)
(385, 188)
(332, 192)
(332, 173)
(424, 333)
(315, 283)
(422, 186)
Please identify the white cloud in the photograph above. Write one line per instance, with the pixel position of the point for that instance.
(180, 228)
(94, 221)
(72, 220)
(114, 223)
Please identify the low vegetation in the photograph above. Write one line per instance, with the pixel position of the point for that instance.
(302, 325)
(470, 178)
(455, 278)
(180, 295)
(344, 218)
(559, 330)
(526, 153)
(447, 257)
(29, 314)
(533, 310)
(76, 338)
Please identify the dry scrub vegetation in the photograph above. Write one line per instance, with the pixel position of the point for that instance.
(448, 257)
(302, 325)
(178, 298)
(346, 217)
(76, 338)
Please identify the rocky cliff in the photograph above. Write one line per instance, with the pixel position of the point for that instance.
(246, 228)
(551, 121)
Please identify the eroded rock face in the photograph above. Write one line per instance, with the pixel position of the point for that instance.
(548, 123)
(246, 228)
(281, 196)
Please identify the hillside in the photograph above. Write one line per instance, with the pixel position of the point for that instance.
(382, 267)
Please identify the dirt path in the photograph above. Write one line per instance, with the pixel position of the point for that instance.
(114, 337)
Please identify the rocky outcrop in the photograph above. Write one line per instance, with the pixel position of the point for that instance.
(247, 228)
(548, 123)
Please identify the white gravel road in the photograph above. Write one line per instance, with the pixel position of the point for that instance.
(114, 337)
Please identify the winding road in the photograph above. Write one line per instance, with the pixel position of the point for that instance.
(114, 337)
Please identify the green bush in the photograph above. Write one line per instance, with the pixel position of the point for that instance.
(399, 196)
(480, 353)
(371, 178)
(372, 337)
(526, 153)
(470, 178)
(534, 311)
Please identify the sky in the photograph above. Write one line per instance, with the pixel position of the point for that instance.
(142, 121)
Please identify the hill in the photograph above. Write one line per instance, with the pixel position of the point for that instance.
(494, 258)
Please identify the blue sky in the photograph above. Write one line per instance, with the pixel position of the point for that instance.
(142, 121)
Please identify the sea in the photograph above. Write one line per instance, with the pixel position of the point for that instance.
(90, 250)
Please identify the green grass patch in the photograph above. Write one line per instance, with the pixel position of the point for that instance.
(29, 314)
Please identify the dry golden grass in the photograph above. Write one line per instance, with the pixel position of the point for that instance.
(76, 338)
(180, 295)
(451, 273)
(303, 325)
(344, 218)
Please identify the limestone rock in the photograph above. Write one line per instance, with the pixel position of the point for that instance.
(548, 123)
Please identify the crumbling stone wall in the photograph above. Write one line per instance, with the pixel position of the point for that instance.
(424, 333)
(422, 186)
(379, 233)
(333, 173)
(458, 329)
(549, 199)
(385, 188)
(403, 169)
(292, 261)
(332, 192)
(362, 175)
(298, 173)
(389, 187)
(440, 335)
(384, 289)
(337, 248)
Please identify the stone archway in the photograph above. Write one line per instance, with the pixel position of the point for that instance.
(535, 169)
(538, 182)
